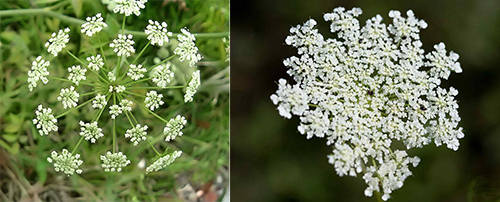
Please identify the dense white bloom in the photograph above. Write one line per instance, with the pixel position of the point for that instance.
(118, 88)
(174, 127)
(368, 87)
(68, 97)
(57, 41)
(99, 102)
(76, 74)
(65, 162)
(45, 121)
(162, 75)
(135, 72)
(129, 7)
(157, 33)
(114, 162)
(111, 77)
(193, 86)
(163, 162)
(126, 105)
(95, 62)
(186, 49)
(38, 72)
(93, 25)
(114, 111)
(153, 100)
(123, 45)
(90, 131)
(137, 134)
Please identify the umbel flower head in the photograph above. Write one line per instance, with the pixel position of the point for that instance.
(45, 121)
(193, 86)
(93, 25)
(137, 134)
(187, 49)
(162, 75)
(123, 45)
(129, 7)
(76, 74)
(370, 87)
(135, 72)
(65, 162)
(174, 127)
(58, 41)
(68, 97)
(163, 162)
(38, 72)
(95, 62)
(157, 32)
(114, 162)
(153, 100)
(90, 131)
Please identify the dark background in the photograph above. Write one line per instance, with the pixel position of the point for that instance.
(271, 161)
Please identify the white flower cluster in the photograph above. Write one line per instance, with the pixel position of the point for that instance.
(65, 162)
(193, 86)
(153, 100)
(117, 89)
(68, 97)
(174, 127)
(114, 162)
(123, 45)
(126, 105)
(114, 111)
(90, 131)
(38, 72)
(93, 25)
(367, 88)
(157, 32)
(186, 49)
(95, 62)
(45, 121)
(135, 72)
(137, 134)
(129, 7)
(99, 101)
(163, 162)
(111, 76)
(162, 75)
(57, 41)
(76, 74)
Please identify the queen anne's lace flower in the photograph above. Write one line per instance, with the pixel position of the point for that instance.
(95, 62)
(174, 127)
(38, 72)
(65, 162)
(114, 111)
(93, 25)
(76, 74)
(57, 41)
(68, 97)
(193, 86)
(90, 131)
(163, 162)
(45, 121)
(186, 49)
(367, 88)
(162, 75)
(137, 134)
(157, 33)
(153, 100)
(135, 72)
(99, 101)
(129, 7)
(114, 162)
(126, 105)
(123, 45)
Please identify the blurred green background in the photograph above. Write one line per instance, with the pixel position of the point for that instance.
(25, 174)
(271, 161)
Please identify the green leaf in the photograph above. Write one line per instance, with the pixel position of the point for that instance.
(10, 137)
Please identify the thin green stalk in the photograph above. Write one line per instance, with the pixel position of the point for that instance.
(140, 53)
(114, 126)
(138, 81)
(152, 146)
(156, 87)
(156, 115)
(77, 107)
(67, 80)
(162, 62)
(85, 65)
(77, 145)
(135, 94)
(89, 93)
(123, 23)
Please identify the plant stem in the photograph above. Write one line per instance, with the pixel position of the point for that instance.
(77, 145)
(156, 115)
(114, 126)
(152, 146)
(69, 110)
(140, 53)
(85, 65)
(138, 81)
(66, 80)
(135, 94)
(162, 62)
(156, 87)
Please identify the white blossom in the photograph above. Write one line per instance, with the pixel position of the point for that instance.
(65, 162)
(174, 127)
(137, 134)
(76, 74)
(111, 77)
(114, 162)
(38, 72)
(157, 33)
(90, 131)
(193, 86)
(93, 25)
(68, 97)
(163, 162)
(57, 41)
(114, 111)
(129, 7)
(135, 72)
(95, 62)
(45, 121)
(123, 45)
(99, 101)
(126, 105)
(153, 100)
(117, 89)
(162, 75)
(186, 49)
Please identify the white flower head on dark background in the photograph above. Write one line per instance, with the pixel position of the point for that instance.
(367, 88)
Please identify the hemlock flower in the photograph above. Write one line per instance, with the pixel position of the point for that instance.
(99, 102)
(123, 45)
(93, 25)
(162, 75)
(76, 74)
(38, 72)
(174, 127)
(45, 121)
(57, 41)
(368, 87)
(186, 49)
(111, 76)
(157, 32)
(90, 131)
(193, 86)
(126, 105)
(163, 162)
(137, 134)
(117, 89)
(114, 162)
(114, 111)
(95, 62)
(153, 100)
(68, 97)
(135, 72)
(129, 7)
(65, 162)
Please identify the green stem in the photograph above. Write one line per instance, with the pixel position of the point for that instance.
(85, 65)
(77, 107)
(140, 53)
(77, 145)
(135, 94)
(67, 80)
(114, 126)
(123, 23)
(156, 87)
(152, 146)
(138, 81)
(162, 62)
(156, 115)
